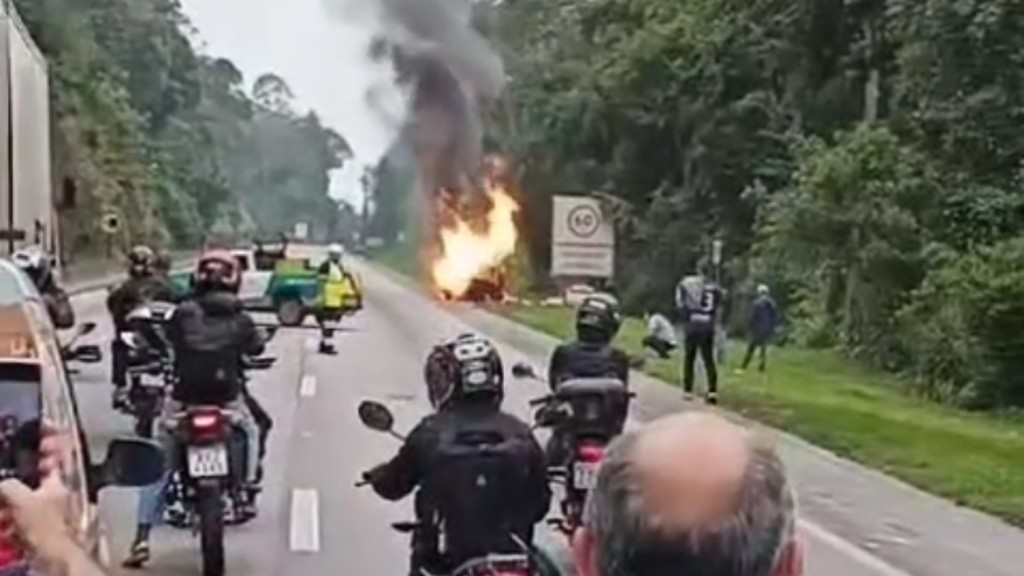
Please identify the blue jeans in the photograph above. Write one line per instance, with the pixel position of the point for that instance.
(152, 500)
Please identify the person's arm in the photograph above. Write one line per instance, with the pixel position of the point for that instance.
(398, 477)
(555, 366)
(539, 490)
(252, 340)
(60, 309)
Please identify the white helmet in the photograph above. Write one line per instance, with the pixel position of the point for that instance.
(335, 250)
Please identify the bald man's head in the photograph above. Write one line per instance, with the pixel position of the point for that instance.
(687, 494)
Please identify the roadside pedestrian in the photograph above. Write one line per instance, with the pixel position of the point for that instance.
(761, 327)
(690, 493)
(698, 305)
(661, 335)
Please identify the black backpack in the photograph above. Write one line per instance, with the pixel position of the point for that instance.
(474, 486)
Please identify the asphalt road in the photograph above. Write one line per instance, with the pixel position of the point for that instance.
(314, 521)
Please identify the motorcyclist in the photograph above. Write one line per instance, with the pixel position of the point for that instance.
(591, 355)
(480, 471)
(337, 281)
(143, 285)
(210, 334)
(36, 264)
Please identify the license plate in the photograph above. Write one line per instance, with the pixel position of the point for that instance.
(584, 475)
(207, 461)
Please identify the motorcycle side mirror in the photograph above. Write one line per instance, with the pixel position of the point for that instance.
(87, 353)
(131, 463)
(376, 416)
(523, 370)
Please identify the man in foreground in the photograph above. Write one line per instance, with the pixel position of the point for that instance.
(689, 494)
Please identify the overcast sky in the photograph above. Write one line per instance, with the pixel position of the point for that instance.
(322, 59)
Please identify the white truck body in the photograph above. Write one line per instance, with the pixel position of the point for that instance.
(27, 212)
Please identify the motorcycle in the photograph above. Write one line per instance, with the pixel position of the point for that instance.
(150, 369)
(589, 412)
(208, 485)
(532, 561)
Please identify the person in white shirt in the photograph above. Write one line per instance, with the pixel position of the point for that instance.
(661, 336)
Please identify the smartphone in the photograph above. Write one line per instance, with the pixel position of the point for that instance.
(20, 422)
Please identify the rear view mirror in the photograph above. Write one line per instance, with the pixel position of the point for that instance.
(523, 370)
(87, 353)
(376, 416)
(132, 463)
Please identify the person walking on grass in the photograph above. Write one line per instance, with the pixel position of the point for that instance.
(661, 336)
(764, 320)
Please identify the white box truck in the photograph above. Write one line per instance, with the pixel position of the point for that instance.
(27, 209)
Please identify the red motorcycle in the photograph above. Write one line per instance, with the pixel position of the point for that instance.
(210, 479)
(586, 413)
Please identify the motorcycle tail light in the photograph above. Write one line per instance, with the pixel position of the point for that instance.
(205, 424)
(590, 453)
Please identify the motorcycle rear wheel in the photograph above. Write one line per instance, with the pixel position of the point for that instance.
(211, 531)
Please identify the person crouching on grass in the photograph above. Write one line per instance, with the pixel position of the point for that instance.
(661, 336)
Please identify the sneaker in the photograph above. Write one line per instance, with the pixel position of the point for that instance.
(326, 348)
(711, 398)
(137, 556)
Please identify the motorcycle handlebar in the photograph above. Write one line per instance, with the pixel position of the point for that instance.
(541, 400)
(259, 363)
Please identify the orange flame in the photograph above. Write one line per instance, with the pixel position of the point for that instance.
(467, 253)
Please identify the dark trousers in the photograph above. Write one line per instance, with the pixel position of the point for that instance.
(702, 343)
(759, 345)
(662, 348)
(325, 318)
(119, 363)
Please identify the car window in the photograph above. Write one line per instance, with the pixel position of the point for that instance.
(14, 285)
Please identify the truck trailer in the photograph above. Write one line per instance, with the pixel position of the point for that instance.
(27, 208)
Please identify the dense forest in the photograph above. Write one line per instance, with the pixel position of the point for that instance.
(170, 138)
(862, 157)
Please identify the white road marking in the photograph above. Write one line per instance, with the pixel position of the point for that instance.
(312, 344)
(304, 532)
(307, 388)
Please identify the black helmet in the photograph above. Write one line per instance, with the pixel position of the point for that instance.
(217, 270)
(598, 319)
(467, 367)
(35, 263)
(141, 261)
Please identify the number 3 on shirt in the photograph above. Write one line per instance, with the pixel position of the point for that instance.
(707, 301)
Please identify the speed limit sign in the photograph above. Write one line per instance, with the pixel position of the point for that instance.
(582, 239)
(584, 220)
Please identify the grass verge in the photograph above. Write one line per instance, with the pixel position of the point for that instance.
(976, 460)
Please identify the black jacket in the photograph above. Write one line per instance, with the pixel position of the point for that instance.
(418, 459)
(585, 360)
(58, 305)
(134, 292)
(209, 335)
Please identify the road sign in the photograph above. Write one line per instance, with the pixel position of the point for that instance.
(582, 239)
(111, 223)
(301, 230)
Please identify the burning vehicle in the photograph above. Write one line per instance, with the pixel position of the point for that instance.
(476, 237)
